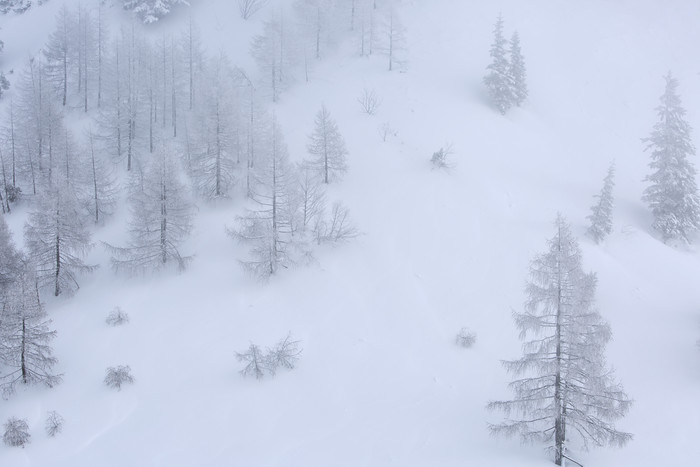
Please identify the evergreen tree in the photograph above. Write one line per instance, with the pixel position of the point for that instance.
(25, 351)
(673, 193)
(516, 71)
(601, 212)
(564, 387)
(497, 79)
(327, 146)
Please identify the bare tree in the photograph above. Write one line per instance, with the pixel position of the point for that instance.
(369, 101)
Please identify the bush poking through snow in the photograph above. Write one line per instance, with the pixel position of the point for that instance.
(440, 159)
(369, 101)
(54, 424)
(117, 376)
(465, 338)
(16, 432)
(117, 317)
(285, 354)
(256, 363)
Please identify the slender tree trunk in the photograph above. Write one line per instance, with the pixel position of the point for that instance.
(23, 360)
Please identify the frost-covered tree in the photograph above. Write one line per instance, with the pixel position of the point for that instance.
(161, 218)
(563, 387)
(327, 147)
(248, 8)
(26, 356)
(100, 187)
(497, 79)
(256, 363)
(395, 40)
(602, 211)
(59, 53)
(57, 240)
(214, 166)
(274, 53)
(10, 258)
(672, 193)
(268, 226)
(150, 11)
(516, 71)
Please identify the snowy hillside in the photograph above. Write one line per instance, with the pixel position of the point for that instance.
(380, 380)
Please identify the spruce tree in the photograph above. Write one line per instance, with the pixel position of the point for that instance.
(601, 212)
(673, 193)
(516, 71)
(564, 389)
(497, 79)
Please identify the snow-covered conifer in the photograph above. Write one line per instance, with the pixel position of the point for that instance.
(497, 79)
(327, 146)
(601, 212)
(516, 71)
(564, 389)
(673, 193)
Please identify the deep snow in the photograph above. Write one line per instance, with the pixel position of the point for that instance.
(381, 381)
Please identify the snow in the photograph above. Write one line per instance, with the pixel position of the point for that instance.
(381, 381)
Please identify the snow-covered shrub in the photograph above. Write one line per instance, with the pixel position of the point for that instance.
(284, 354)
(54, 423)
(117, 376)
(440, 159)
(117, 317)
(16, 432)
(256, 362)
(465, 338)
(369, 101)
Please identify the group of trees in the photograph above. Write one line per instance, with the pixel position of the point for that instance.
(290, 210)
(506, 77)
(290, 44)
(672, 194)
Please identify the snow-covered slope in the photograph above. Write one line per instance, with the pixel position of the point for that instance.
(380, 381)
